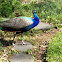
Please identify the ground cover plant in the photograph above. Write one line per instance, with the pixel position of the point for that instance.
(54, 51)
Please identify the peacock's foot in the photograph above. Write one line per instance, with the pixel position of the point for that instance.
(22, 43)
(13, 44)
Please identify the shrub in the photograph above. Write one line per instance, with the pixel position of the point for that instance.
(8, 7)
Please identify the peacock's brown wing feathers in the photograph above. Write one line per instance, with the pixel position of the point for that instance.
(17, 23)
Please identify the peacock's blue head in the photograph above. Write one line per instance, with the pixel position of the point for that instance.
(34, 11)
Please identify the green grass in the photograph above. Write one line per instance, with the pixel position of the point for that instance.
(0, 60)
(54, 52)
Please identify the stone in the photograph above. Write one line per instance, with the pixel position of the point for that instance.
(21, 58)
(43, 26)
(18, 46)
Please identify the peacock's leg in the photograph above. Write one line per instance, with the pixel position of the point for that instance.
(23, 43)
(13, 40)
(2, 37)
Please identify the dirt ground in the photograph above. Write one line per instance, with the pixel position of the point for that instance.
(43, 44)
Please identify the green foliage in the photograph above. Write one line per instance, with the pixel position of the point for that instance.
(1, 48)
(27, 52)
(11, 52)
(8, 7)
(1, 44)
(54, 52)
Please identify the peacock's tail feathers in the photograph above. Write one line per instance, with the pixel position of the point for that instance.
(2, 20)
(0, 27)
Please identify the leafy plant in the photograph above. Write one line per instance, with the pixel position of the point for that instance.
(54, 52)
(8, 7)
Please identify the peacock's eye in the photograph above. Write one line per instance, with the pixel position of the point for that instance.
(34, 11)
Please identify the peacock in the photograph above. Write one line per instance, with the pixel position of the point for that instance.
(20, 24)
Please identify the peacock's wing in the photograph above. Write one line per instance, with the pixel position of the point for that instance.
(17, 23)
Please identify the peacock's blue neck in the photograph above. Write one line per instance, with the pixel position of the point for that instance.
(35, 22)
